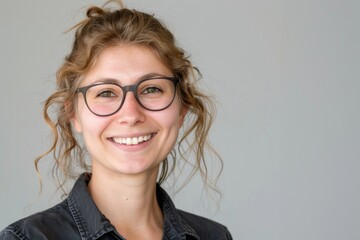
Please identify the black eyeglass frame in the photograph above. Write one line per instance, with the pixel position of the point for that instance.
(125, 89)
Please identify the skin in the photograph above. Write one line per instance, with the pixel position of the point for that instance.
(123, 184)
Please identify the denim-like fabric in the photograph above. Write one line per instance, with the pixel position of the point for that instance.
(77, 217)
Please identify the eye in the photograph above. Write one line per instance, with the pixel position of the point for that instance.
(106, 94)
(151, 90)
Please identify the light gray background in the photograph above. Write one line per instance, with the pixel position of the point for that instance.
(286, 76)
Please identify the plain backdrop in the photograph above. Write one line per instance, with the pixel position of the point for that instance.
(286, 76)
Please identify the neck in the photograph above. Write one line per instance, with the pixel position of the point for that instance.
(129, 202)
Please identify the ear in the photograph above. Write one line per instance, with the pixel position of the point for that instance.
(76, 123)
(74, 119)
(182, 115)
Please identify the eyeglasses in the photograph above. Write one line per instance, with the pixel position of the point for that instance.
(154, 94)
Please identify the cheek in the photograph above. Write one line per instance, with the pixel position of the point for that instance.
(171, 119)
(87, 123)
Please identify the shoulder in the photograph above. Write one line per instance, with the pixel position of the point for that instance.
(204, 227)
(10, 234)
(49, 224)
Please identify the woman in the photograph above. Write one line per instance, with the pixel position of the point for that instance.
(126, 89)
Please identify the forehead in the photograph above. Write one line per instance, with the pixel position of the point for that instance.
(126, 63)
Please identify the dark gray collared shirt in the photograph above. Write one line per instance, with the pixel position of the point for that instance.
(77, 217)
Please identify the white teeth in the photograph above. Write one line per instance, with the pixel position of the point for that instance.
(132, 141)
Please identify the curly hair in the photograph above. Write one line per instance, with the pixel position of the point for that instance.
(105, 27)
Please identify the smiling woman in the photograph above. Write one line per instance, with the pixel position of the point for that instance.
(127, 90)
(128, 120)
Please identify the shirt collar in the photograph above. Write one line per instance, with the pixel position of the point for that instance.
(92, 223)
(174, 226)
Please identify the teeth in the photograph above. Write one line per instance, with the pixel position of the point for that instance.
(135, 141)
(132, 141)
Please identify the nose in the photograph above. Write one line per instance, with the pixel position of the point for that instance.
(130, 113)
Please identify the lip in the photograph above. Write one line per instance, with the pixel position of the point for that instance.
(124, 144)
(133, 140)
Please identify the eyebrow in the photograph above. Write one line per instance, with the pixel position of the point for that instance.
(117, 81)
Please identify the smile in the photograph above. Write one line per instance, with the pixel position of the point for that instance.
(133, 140)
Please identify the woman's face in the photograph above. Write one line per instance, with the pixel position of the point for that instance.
(127, 64)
